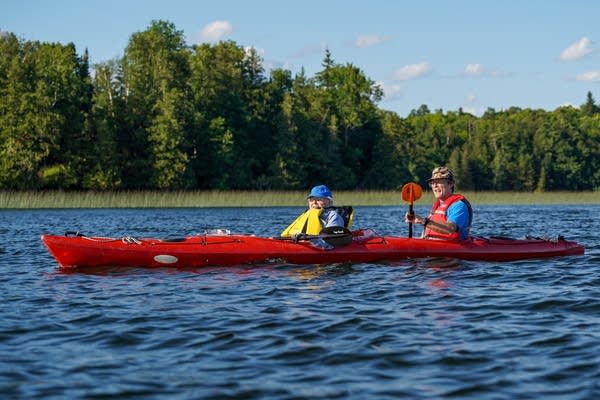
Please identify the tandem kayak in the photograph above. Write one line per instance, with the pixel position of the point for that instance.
(77, 250)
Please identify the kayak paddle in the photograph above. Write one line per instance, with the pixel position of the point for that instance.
(336, 236)
(411, 192)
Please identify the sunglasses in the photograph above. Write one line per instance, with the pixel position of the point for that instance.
(439, 181)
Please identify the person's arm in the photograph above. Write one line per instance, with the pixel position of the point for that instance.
(447, 227)
(458, 216)
(440, 227)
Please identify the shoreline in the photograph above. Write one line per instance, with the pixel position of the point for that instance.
(244, 198)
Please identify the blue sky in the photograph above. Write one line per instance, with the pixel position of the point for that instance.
(445, 54)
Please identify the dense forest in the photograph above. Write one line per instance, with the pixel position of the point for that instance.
(171, 116)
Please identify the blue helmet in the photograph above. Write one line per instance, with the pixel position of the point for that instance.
(320, 191)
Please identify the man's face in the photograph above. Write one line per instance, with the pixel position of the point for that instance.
(441, 188)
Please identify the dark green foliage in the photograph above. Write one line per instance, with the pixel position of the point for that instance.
(159, 109)
(45, 98)
(170, 116)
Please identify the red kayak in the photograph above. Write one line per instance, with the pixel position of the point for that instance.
(76, 250)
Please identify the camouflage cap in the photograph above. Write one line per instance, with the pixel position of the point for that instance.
(441, 173)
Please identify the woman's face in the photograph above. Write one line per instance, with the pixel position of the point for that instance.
(318, 202)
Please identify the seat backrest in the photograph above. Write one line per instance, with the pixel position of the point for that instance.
(308, 222)
(347, 213)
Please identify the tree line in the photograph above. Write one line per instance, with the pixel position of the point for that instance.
(167, 116)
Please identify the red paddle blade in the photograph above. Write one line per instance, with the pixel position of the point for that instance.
(411, 192)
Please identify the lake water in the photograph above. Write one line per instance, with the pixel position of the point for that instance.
(415, 329)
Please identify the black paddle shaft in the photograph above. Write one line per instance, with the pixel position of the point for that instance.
(411, 214)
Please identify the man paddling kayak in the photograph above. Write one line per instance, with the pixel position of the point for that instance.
(451, 214)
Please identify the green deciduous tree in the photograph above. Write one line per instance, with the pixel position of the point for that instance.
(392, 154)
(226, 82)
(105, 125)
(159, 114)
(45, 97)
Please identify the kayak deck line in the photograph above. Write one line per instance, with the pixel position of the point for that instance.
(71, 251)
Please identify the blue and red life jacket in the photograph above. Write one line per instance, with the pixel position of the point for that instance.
(439, 214)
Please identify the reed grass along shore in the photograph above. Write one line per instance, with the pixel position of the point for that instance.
(174, 199)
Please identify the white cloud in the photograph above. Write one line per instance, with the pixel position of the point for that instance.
(579, 49)
(473, 69)
(568, 105)
(365, 41)
(590, 76)
(470, 105)
(413, 71)
(215, 31)
(390, 92)
(477, 111)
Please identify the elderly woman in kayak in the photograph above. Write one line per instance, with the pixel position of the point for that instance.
(321, 198)
(451, 214)
(321, 214)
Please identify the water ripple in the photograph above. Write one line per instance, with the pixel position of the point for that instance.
(418, 329)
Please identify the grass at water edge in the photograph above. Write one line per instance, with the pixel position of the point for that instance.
(215, 198)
